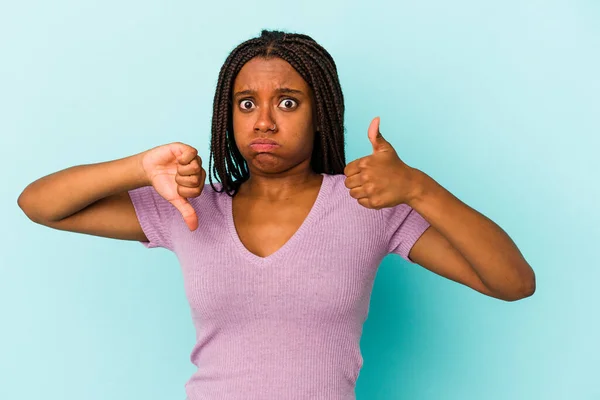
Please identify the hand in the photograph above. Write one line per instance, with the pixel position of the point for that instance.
(381, 179)
(175, 171)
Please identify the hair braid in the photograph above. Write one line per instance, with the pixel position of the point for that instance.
(317, 68)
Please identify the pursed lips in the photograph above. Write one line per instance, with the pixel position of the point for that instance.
(263, 141)
(263, 144)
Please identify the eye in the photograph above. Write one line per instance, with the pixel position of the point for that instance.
(246, 104)
(289, 103)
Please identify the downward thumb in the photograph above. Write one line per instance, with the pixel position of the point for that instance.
(187, 212)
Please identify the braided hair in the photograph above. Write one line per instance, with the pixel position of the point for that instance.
(317, 68)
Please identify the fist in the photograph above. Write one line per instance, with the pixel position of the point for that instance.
(175, 171)
(381, 179)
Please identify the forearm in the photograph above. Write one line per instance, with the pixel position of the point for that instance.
(63, 193)
(489, 250)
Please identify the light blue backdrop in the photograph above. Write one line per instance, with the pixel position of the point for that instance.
(497, 101)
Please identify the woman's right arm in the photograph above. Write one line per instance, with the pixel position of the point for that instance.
(90, 198)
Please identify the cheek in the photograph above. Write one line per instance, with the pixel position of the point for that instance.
(302, 120)
(237, 119)
(241, 124)
(238, 130)
(306, 129)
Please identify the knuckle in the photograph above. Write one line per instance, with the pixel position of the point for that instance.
(376, 202)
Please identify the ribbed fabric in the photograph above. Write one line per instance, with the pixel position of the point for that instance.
(287, 326)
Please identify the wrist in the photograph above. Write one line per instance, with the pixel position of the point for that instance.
(421, 186)
(140, 174)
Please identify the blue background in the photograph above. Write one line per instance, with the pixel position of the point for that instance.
(497, 101)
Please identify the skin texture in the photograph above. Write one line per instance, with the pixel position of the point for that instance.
(273, 203)
(284, 172)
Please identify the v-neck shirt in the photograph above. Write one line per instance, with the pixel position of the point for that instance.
(272, 258)
(285, 326)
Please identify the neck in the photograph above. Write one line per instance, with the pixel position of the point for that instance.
(277, 188)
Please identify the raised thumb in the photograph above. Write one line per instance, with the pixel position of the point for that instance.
(374, 134)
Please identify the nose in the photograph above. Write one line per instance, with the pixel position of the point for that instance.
(264, 121)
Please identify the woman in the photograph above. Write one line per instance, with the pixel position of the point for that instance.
(279, 258)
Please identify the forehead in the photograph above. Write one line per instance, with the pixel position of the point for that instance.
(261, 73)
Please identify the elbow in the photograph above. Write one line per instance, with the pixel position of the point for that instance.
(23, 199)
(527, 289)
(530, 289)
(23, 204)
(529, 284)
(525, 293)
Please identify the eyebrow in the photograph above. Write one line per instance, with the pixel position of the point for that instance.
(278, 90)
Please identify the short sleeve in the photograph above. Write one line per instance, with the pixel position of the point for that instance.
(155, 215)
(404, 227)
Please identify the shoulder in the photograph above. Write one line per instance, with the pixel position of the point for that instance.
(337, 185)
(339, 198)
(339, 194)
(211, 199)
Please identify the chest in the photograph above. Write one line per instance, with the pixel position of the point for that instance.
(263, 227)
(319, 262)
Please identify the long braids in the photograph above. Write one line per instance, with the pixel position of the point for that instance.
(317, 68)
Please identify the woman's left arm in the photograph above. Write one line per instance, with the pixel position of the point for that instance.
(489, 251)
(463, 245)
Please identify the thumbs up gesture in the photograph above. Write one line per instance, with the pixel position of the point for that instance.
(381, 179)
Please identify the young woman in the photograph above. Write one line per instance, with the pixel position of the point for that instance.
(279, 257)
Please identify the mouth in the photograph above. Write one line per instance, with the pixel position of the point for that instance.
(262, 145)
